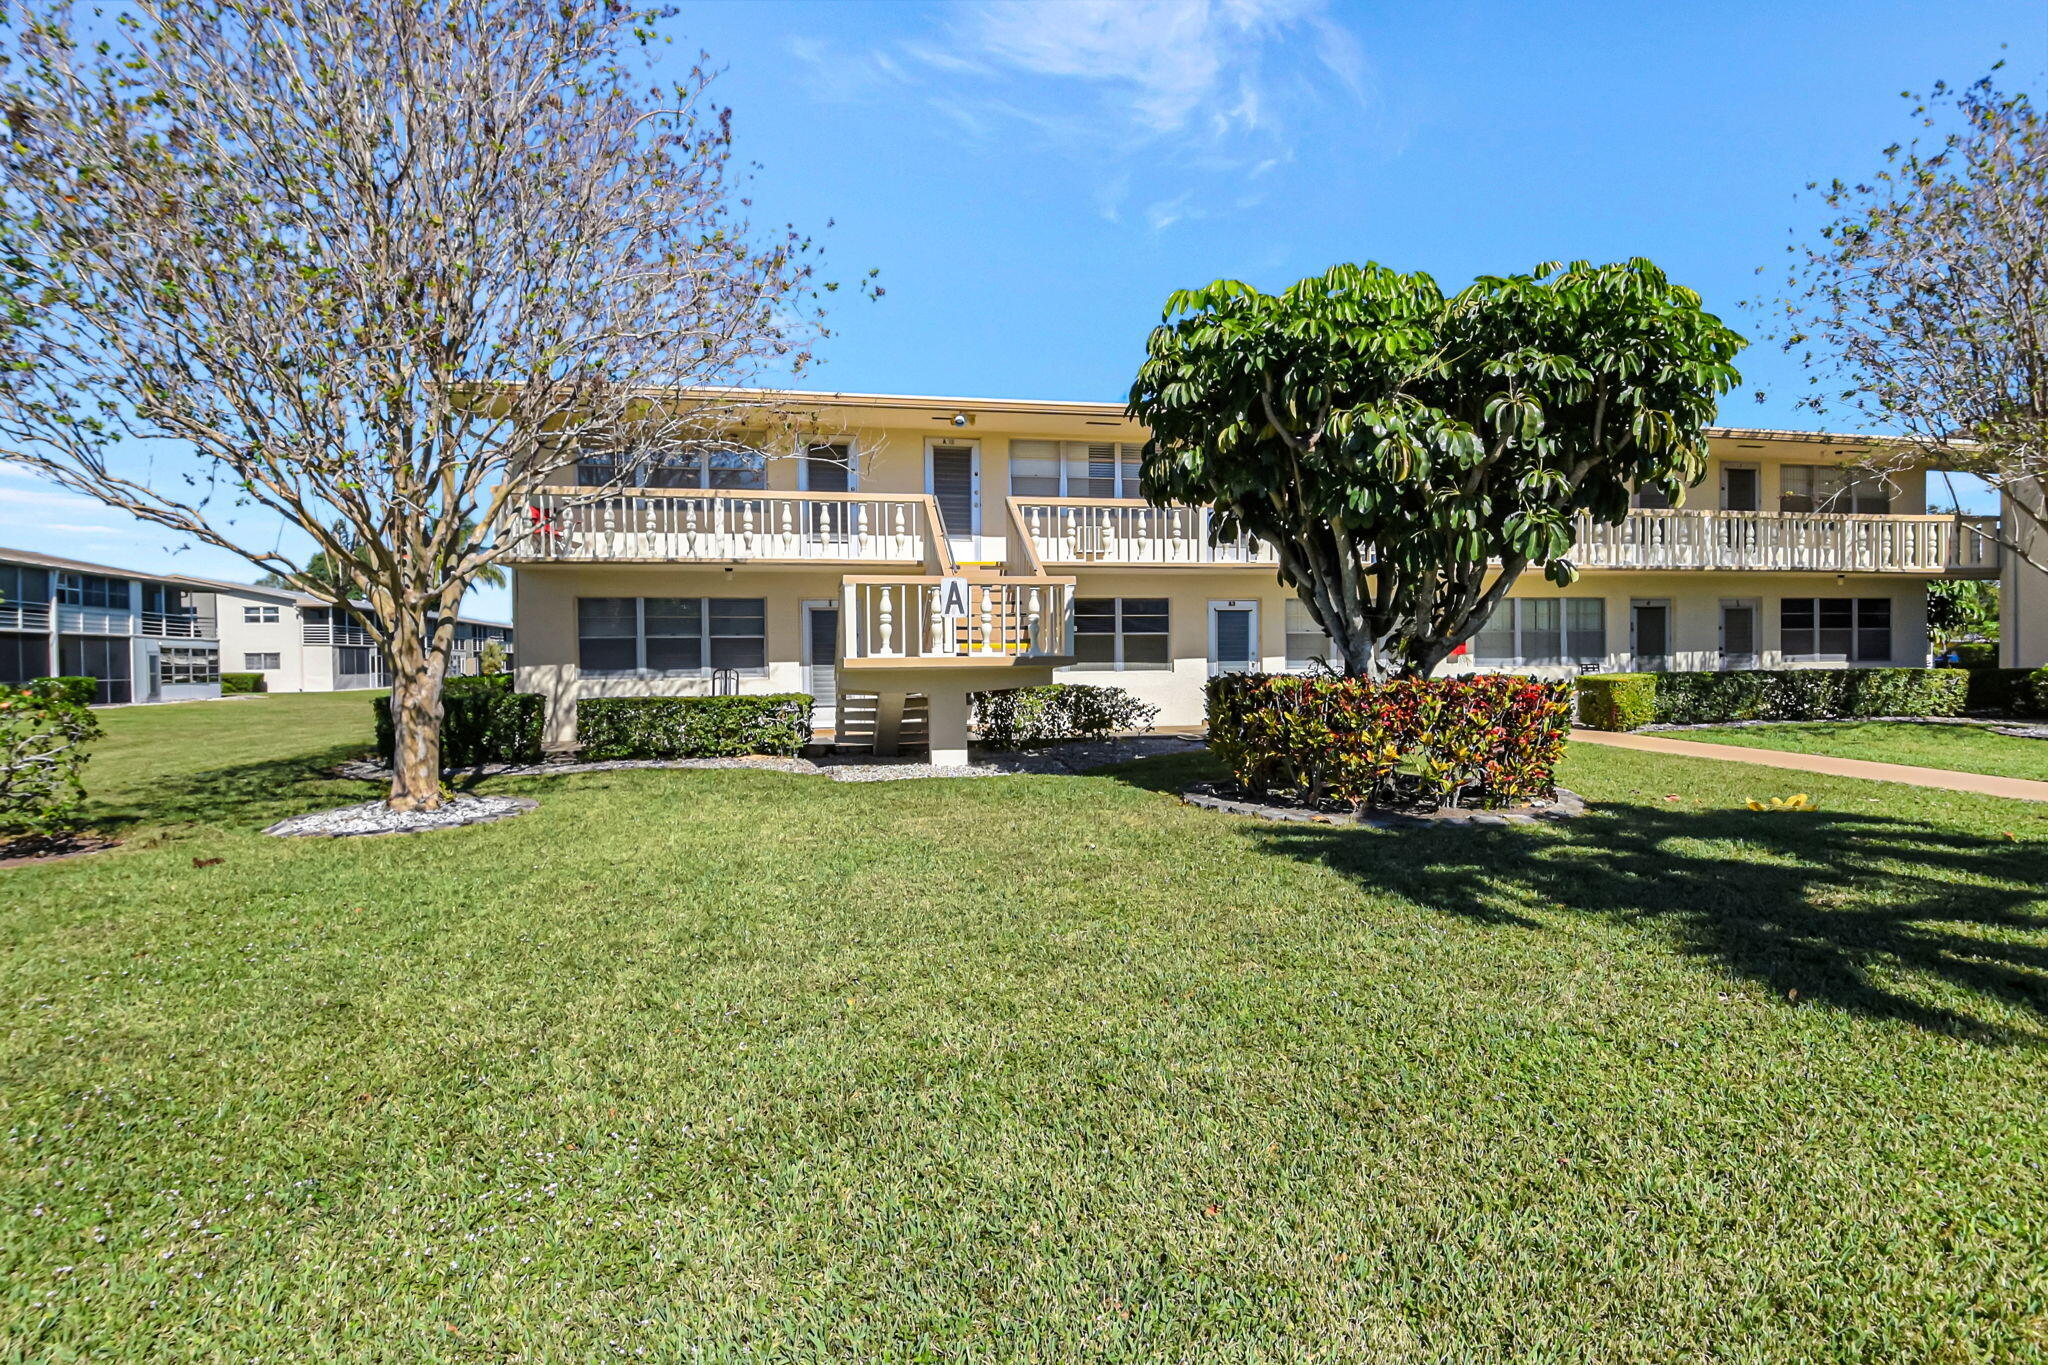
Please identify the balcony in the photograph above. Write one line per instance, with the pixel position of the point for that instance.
(178, 625)
(95, 621)
(896, 623)
(680, 526)
(31, 616)
(1816, 542)
(1081, 531)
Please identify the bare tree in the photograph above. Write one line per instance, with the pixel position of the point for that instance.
(380, 266)
(1923, 307)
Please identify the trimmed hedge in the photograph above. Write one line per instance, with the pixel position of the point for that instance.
(1706, 698)
(241, 684)
(1976, 654)
(482, 721)
(1484, 739)
(1617, 701)
(76, 690)
(1019, 717)
(693, 727)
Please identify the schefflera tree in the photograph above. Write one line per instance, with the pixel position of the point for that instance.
(1410, 455)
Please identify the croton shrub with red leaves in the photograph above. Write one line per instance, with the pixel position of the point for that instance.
(1483, 740)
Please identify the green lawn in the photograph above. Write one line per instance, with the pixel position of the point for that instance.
(1959, 748)
(732, 1066)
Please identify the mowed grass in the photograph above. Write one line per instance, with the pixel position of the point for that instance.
(743, 1066)
(1958, 748)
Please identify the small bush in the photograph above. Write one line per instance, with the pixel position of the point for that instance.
(1617, 701)
(78, 691)
(42, 760)
(1486, 739)
(1020, 717)
(693, 727)
(2030, 694)
(1706, 698)
(241, 684)
(1976, 654)
(1997, 689)
(482, 721)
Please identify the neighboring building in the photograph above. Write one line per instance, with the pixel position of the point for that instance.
(821, 570)
(168, 637)
(145, 637)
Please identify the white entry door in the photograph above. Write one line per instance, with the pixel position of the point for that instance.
(821, 660)
(952, 475)
(1233, 637)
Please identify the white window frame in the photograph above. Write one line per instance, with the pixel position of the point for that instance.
(1565, 657)
(1216, 605)
(1753, 466)
(803, 464)
(704, 637)
(259, 615)
(276, 657)
(1287, 609)
(1060, 462)
(1855, 630)
(1117, 663)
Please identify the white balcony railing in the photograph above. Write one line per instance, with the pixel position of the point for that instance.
(1105, 531)
(1683, 538)
(721, 524)
(25, 616)
(1008, 620)
(178, 625)
(95, 621)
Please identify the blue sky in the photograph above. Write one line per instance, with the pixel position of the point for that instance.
(1032, 177)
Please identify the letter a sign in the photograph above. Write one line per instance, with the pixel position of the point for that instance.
(953, 602)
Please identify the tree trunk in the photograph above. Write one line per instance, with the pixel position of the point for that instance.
(417, 671)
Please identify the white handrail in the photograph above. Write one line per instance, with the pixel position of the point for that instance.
(1684, 538)
(1007, 619)
(1121, 531)
(720, 524)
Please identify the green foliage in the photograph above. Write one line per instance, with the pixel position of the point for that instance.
(1391, 444)
(241, 684)
(1961, 611)
(1974, 653)
(1617, 701)
(1487, 740)
(492, 657)
(1998, 689)
(77, 690)
(1019, 717)
(693, 727)
(42, 759)
(1703, 698)
(2030, 694)
(482, 721)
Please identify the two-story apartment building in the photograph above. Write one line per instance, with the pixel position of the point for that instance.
(168, 637)
(145, 637)
(907, 551)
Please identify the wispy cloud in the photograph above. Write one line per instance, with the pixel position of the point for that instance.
(1208, 86)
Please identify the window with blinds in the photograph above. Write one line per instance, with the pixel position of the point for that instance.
(1544, 630)
(1121, 632)
(1308, 645)
(1831, 488)
(671, 634)
(1838, 629)
(1074, 469)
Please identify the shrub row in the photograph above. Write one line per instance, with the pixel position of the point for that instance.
(240, 684)
(1486, 739)
(482, 721)
(1020, 717)
(692, 727)
(43, 735)
(1625, 701)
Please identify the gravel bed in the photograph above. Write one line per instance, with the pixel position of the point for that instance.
(374, 817)
(2021, 731)
(1232, 800)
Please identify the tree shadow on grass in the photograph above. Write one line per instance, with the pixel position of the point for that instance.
(241, 795)
(1823, 904)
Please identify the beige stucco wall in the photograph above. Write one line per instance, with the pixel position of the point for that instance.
(282, 637)
(2023, 592)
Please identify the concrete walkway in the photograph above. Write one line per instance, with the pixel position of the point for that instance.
(2016, 787)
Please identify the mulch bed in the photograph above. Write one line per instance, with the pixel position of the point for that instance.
(1232, 799)
(41, 848)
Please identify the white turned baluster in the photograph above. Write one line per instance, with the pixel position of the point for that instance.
(938, 643)
(747, 524)
(860, 529)
(788, 528)
(888, 620)
(988, 612)
(899, 533)
(1033, 611)
(690, 527)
